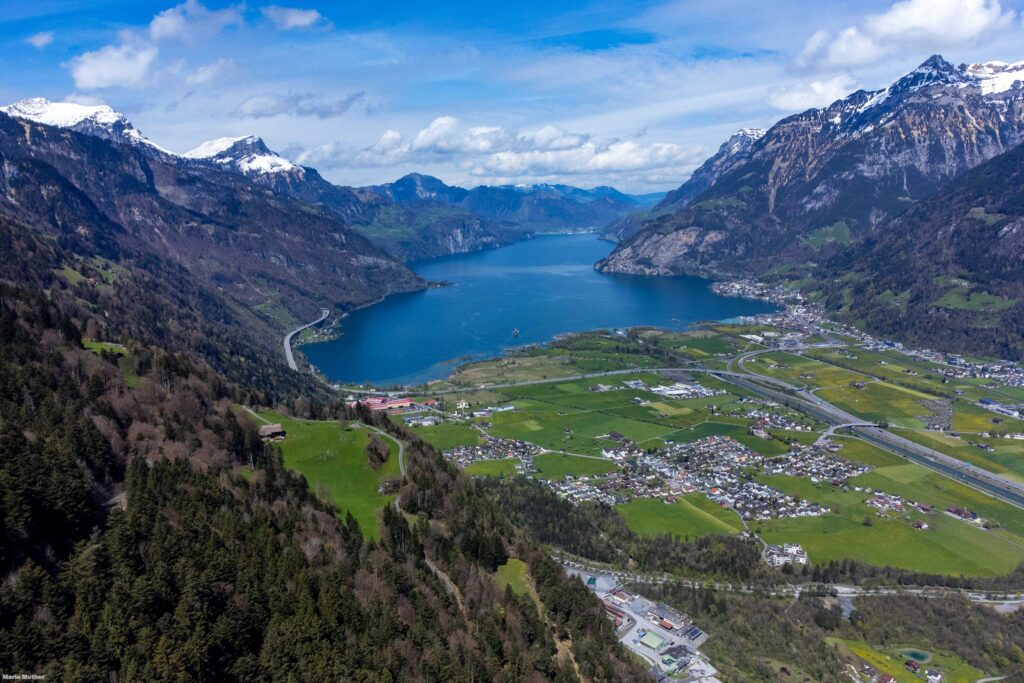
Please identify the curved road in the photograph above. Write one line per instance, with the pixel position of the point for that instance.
(288, 337)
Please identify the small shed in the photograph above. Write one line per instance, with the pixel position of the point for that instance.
(272, 432)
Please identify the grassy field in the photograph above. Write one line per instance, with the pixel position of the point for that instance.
(892, 661)
(1005, 456)
(799, 370)
(691, 516)
(968, 417)
(123, 361)
(514, 574)
(880, 402)
(448, 435)
(557, 465)
(506, 467)
(948, 546)
(332, 458)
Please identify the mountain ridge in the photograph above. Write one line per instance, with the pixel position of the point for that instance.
(829, 175)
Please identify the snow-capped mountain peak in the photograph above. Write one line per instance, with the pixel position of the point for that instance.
(218, 146)
(97, 120)
(246, 154)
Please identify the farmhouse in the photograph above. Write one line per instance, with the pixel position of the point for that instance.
(272, 432)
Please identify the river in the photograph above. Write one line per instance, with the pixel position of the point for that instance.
(542, 287)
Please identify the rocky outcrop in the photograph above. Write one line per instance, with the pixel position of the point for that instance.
(823, 178)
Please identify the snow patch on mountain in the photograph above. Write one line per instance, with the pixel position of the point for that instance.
(97, 120)
(212, 148)
(246, 154)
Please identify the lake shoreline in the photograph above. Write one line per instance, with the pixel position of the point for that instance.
(544, 287)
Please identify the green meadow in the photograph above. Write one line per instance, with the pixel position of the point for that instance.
(332, 457)
(691, 516)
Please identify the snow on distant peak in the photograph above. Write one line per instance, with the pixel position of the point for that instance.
(212, 148)
(995, 77)
(61, 114)
(264, 163)
(246, 154)
(98, 120)
(755, 133)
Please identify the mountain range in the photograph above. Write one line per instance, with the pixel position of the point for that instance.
(839, 193)
(415, 217)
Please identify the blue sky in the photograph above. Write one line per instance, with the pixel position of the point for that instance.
(634, 94)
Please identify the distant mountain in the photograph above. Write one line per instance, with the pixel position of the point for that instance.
(949, 272)
(413, 218)
(538, 208)
(236, 257)
(819, 180)
(732, 152)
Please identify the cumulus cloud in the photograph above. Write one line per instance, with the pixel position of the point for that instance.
(210, 72)
(496, 152)
(126, 65)
(919, 24)
(813, 94)
(308, 104)
(288, 18)
(40, 40)
(191, 19)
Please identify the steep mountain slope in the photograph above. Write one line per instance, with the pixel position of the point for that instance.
(146, 533)
(948, 273)
(827, 176)
(733, 151)
(263, 251)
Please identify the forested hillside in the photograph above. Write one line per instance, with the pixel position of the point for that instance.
(148, 534)
(949, 273)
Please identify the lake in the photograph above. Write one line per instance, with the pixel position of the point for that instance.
(542, 287)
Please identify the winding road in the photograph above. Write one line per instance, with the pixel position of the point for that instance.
(288, 337)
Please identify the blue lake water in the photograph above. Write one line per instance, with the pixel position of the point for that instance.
(543, 287)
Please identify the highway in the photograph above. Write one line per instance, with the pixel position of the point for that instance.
(803, 400)
(288, 338)
(799, 398)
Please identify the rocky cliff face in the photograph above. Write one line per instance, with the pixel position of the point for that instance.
(823, 178)
(732, 152)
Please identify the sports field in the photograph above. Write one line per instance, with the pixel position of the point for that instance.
(691, 516)
(331, 456)
(448, 435)
(506, 467)
(557, 466)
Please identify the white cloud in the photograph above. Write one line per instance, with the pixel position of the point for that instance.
(40, 40)
(308, 104)
(931, 25)
(126, 65)
(191, 19)
(210, 72)
(495, 152)
(814, 94)
(288, 18)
